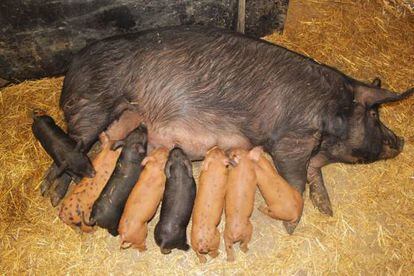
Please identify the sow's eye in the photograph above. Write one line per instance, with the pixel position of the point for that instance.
(373, 113)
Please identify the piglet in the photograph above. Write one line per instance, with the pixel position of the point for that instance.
(177, 203)
(240, 192)
(209, 203)
(65, 152)
(143, 201)
(283, 201)
(78, 205)
(108, 208)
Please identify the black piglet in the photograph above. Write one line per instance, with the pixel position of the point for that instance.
(108, 208)
(65, 152)
(177, 203)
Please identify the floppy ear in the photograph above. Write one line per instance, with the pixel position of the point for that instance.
(376, 82)
(189, 167)
(205, 164)
(146, 160)
(117, 145)
(167, 169)
(255, 153)
(79, 146)
(371, 96)
(103, 138)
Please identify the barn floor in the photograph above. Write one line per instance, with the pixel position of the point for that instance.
(371, 231)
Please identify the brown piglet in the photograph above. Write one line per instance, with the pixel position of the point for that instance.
(239, 203)
(78, 205)
(283, 202)
(209, 203)
(143, 201)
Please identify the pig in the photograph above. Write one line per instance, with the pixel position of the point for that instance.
(78, 205)
(283, 202)
(177, 203)
(209, 203)
(142, 203)
(239, 201)
(108, 208)
(198, 86)
(65, 152)
(116, 131)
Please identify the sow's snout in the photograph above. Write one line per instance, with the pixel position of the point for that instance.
(392, 146)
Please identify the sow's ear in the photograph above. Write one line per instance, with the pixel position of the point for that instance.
(374, 96)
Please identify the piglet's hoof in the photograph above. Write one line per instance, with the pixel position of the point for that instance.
(47, 180)
(59, 188)
(320, 199)
(290, 226)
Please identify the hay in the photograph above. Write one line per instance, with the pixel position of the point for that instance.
(373, 224)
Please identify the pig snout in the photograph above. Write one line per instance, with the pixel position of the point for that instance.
(392, 146)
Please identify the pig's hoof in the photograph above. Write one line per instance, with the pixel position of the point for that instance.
(202, 259)
(230, 258)
(54, 199)
(59, 189)
(320, 199)
(290, 226)
(44, 186)
(165, 251)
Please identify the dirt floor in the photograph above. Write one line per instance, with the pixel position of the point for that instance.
(371, 231)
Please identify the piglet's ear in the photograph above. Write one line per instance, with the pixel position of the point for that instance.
(373, 96)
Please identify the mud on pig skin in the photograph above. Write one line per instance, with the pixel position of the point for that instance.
(283, 202)
(108, 208)
(177, 203)
(142, 203)
(209, 203)
(239, 203)
(78, 204)
(65, 152)
(197, 86)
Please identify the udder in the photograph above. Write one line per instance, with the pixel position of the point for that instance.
(194, 140)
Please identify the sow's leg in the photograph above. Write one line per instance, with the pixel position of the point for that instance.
(291, 155)
(317, 190)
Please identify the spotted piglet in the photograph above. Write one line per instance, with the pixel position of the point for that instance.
(78, 204)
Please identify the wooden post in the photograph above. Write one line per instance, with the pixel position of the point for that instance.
(241, 18)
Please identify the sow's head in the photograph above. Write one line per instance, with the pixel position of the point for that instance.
(363, 137)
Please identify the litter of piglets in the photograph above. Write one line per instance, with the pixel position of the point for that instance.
(129, 182)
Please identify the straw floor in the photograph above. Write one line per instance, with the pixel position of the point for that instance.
(373, 225)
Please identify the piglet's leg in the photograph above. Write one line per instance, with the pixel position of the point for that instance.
(202, 258)
(246, 238)
(265, 210)
(229, 248)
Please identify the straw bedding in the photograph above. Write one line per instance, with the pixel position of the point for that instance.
(373, 225)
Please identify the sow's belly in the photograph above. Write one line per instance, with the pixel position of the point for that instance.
(195, 141)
